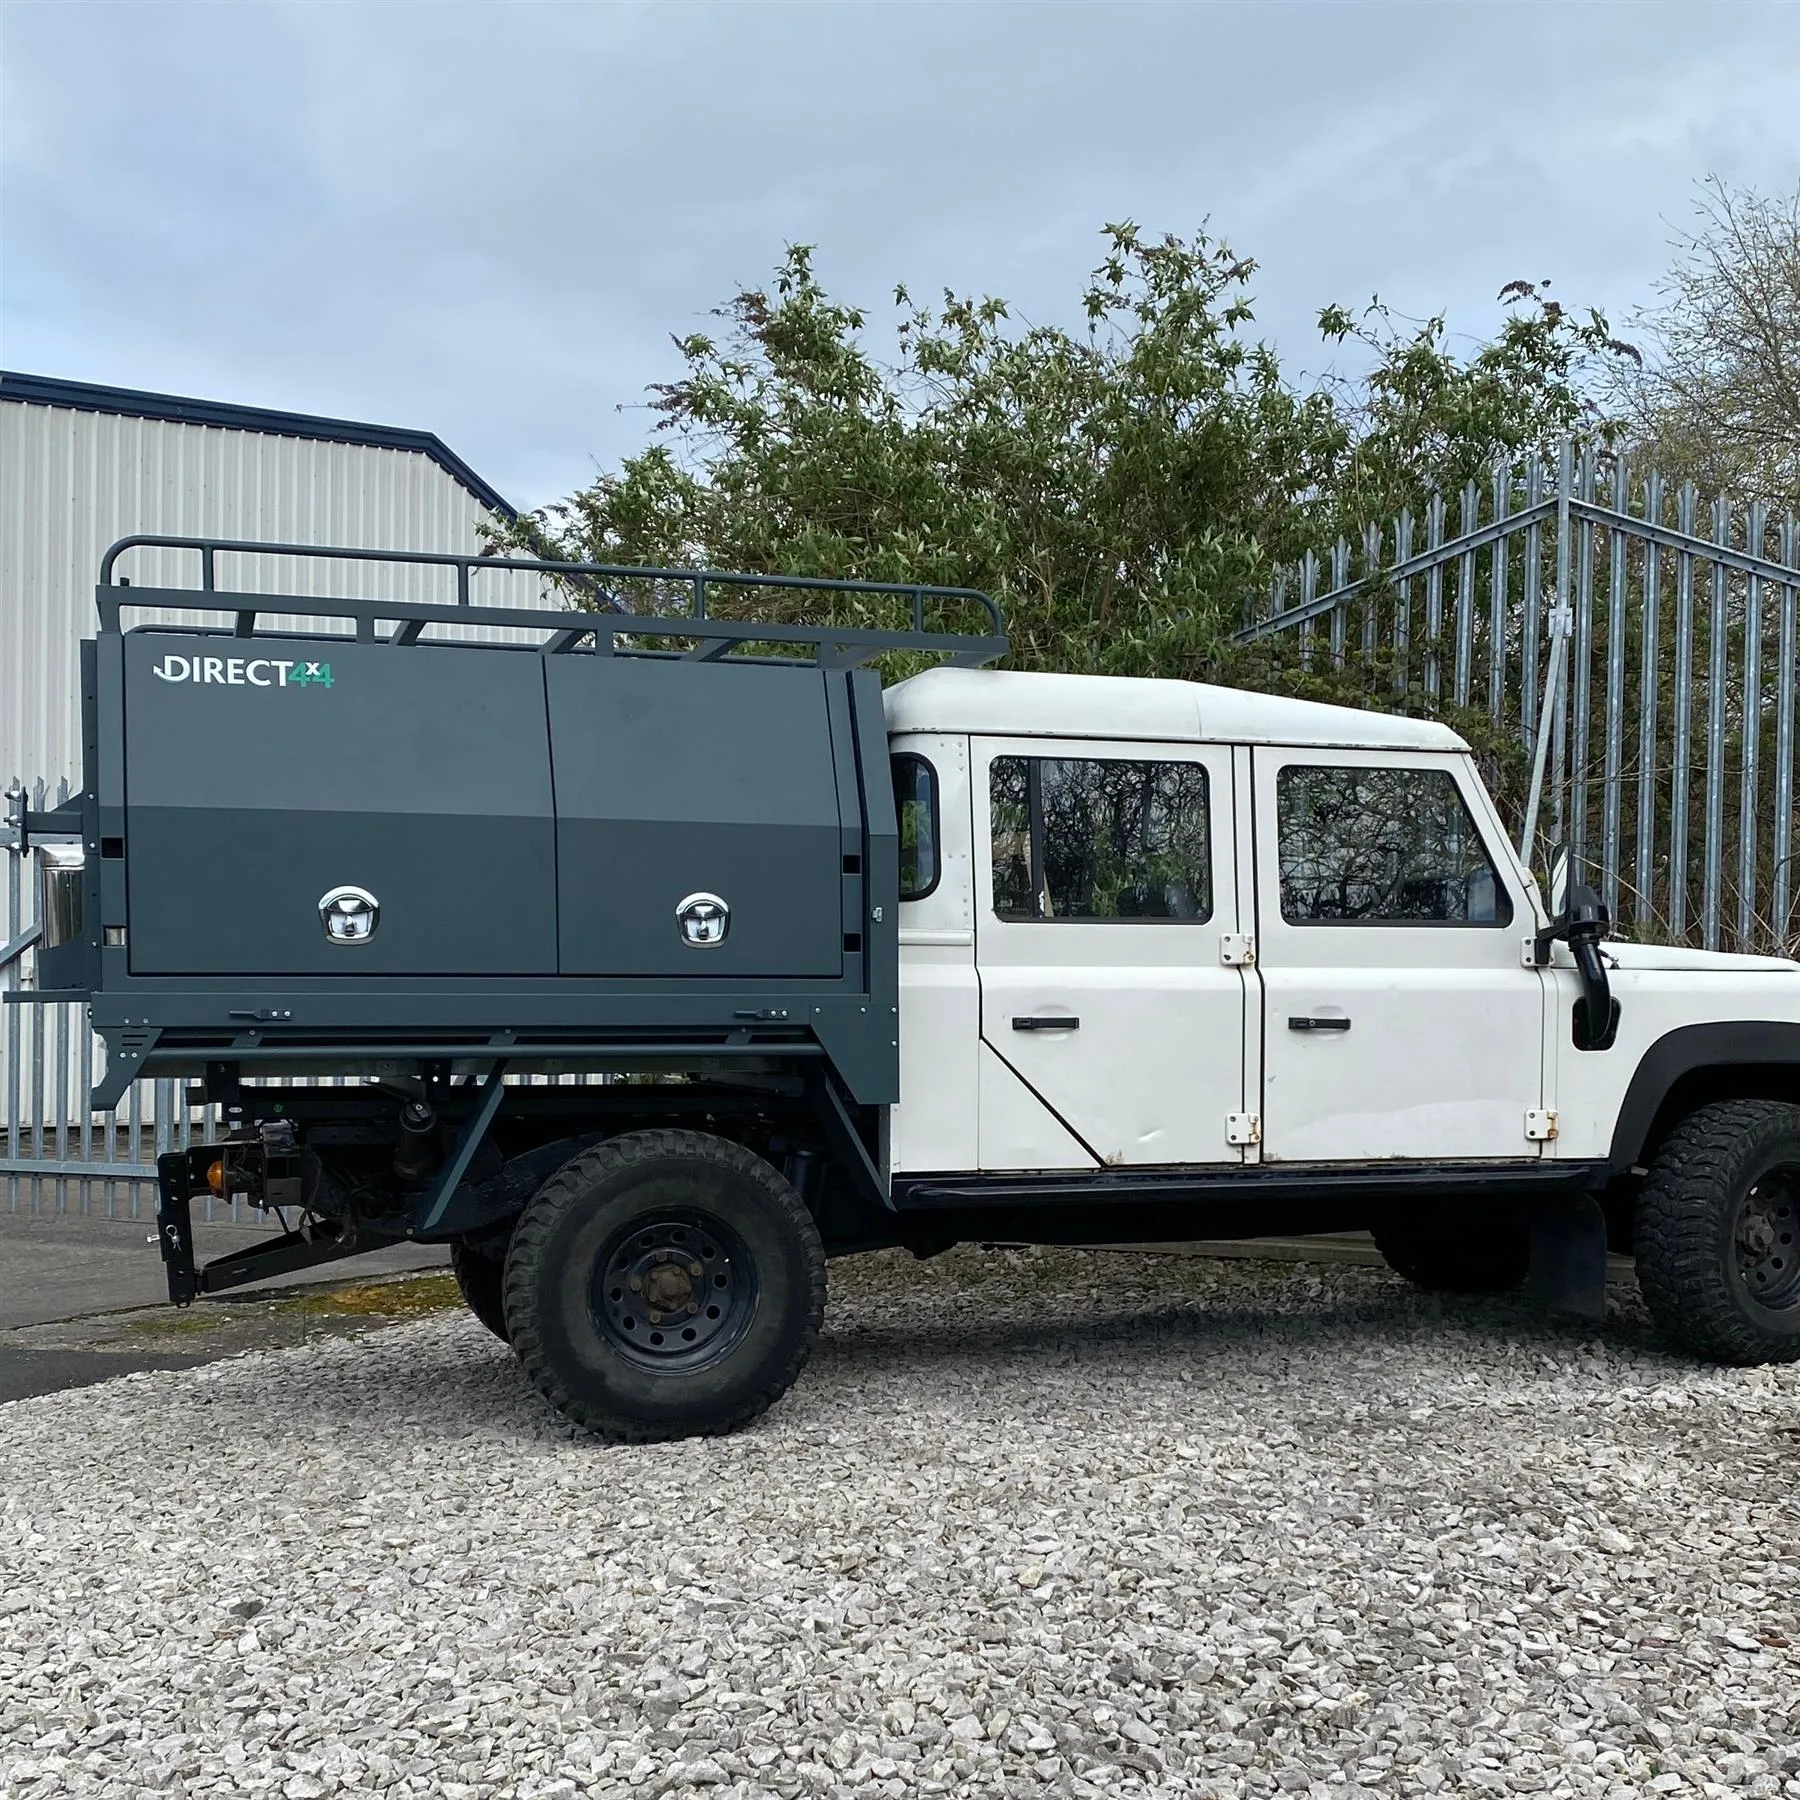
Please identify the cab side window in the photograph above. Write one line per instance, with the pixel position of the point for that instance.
(1088, 838)
(1372, 846)
(916, 806)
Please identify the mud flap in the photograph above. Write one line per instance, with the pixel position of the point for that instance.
(1568, 1256)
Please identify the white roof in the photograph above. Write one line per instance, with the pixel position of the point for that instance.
(1007, 703)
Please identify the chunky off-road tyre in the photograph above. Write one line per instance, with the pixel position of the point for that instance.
(1718, 1233)
(664, 1284)
(481, 1279)
(1456, 1250)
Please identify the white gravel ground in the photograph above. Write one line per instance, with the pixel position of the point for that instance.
(1031, 1524)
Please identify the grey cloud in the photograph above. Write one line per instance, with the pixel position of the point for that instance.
(486, 220)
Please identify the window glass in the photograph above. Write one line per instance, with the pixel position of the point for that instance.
(916, 803)
(1383, 846)
(1009, 797)
(1085, 838)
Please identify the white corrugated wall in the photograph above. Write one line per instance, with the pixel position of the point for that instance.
(73, 482)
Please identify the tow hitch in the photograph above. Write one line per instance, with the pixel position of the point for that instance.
(182, 1174)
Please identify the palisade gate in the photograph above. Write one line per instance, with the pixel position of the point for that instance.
(1634, 651)
(1633, 647)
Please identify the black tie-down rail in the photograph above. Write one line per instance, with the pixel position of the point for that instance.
(596, 620)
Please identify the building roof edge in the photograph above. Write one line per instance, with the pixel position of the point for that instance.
(87, 396)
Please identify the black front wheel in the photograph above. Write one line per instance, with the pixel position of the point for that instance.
(1717, 1235)
(664, 1284)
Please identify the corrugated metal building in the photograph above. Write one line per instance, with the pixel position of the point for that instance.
(83, 466)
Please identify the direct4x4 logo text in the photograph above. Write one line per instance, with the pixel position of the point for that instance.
(235, 671)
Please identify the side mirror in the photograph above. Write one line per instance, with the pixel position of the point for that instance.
(1582, 921)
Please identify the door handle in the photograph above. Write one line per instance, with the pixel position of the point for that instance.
(1030, 1024)
(1318, 1024)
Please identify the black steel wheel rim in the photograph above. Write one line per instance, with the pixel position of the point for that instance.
(673, 1291)
(1766, 1241)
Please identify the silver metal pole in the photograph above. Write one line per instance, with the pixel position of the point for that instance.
(1562, 626)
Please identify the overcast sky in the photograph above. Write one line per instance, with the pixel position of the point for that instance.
(485, 220)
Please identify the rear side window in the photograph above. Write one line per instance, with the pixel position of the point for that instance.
(1086, 838)
(916, 803)
(1383, 847)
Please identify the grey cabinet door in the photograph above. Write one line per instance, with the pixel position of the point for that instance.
(262, 775)
(689, 783)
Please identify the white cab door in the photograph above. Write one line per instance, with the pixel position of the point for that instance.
(1105, 884)
(1400, 1021)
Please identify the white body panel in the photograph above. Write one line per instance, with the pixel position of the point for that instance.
(1659, 991)
(1158, 1057)
(1007, 703)
(1018, 1132)
(1443, 1057)
(934, 1126)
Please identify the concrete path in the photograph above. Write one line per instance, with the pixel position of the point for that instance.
(67, 1267)
(54, 1268)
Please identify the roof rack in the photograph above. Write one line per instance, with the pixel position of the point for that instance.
(571, 630)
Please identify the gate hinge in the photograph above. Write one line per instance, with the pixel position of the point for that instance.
(1540, 1125)
(1237, 950)
(1243, 1128)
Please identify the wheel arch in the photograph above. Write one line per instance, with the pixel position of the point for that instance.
(799, 1121)
(1749, 1059)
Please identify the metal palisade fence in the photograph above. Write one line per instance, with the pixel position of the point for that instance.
(1659, 632)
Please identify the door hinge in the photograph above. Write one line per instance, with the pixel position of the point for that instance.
(1243, 1128)
(1237, 950)
(1540, 1125)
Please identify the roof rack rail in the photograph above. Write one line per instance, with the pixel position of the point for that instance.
(571, 629)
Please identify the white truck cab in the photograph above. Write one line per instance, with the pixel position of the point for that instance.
(1193, 932)
(1160, 923)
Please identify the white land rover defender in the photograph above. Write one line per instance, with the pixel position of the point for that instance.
(990, 957)
(1151, 924)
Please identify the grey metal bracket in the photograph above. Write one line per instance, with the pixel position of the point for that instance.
(846, 1140)
(127, 1050)
(567, 628)
(449, 1178)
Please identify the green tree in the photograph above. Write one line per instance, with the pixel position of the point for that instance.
(1121, 487)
